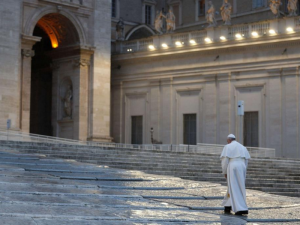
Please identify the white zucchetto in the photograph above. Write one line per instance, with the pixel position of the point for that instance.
(231, 136)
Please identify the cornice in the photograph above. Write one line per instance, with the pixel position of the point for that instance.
(272, 68)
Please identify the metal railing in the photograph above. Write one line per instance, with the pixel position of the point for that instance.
(200, 148)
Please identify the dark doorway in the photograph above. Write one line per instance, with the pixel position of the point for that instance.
(41, 86)
(190, 129)
(137, 130)
(251, 129)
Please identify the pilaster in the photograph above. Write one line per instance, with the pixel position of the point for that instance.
(27, 54)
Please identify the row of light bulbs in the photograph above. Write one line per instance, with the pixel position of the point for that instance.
(222, 38)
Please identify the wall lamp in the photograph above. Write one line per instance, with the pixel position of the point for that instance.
(151, 47)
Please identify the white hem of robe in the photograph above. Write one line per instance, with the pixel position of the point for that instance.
(236, 177)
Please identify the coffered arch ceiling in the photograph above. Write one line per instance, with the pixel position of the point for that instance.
(60, 30)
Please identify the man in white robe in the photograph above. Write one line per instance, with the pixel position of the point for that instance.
(234, 166)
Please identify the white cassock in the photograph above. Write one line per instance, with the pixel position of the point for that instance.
(234, 163)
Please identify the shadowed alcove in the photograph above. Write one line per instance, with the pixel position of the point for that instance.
(57, 32)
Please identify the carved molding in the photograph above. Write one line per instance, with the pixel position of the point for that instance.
(28, 52)
(81, 63)
(70, 3)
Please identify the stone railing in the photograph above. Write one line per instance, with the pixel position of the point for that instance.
(211, 35)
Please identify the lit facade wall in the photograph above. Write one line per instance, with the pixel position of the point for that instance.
(207, 79)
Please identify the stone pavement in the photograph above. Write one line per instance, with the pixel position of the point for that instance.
(36, 190)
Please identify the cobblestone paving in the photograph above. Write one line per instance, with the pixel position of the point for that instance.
(35, 190)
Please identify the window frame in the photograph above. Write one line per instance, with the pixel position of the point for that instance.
(257, 5)
(114, 8)
(203, 12)
(148, 14)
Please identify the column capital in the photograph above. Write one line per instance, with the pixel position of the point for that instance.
(29, 41)
(28, 52)
(81, 62)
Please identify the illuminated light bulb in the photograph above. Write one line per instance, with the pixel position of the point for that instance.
(272, 32)
(178, 43)
(164, 45)
(151, 47)
(254, 34)
(54, 45)
(207, 40)
(193, 42)
(239, 36)
(289, 29)
(223, 38)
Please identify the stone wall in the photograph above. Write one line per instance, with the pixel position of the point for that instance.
(80, 52)
(10, 62)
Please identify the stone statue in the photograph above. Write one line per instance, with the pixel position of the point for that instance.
(274, 6)
(226, 12)
(120, 30)
(67, 100)
(292, 7)
(210, 15)
(158, 24)
(170, 19)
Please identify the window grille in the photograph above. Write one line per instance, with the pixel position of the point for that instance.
(113, 8)
(148, 14)
(257, 3)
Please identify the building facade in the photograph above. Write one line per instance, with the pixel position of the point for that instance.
(185, 85)
(55, 67)
(98, 69)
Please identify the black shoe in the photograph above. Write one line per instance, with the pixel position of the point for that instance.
(241, 212)
(227, 209)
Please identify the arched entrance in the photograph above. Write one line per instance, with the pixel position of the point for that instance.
(55, 81)
(57, 32)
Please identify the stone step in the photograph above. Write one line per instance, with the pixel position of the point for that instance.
(199, 167)
(279, 175)
(142, 159)
(273, 185)
(91, 156)
(290, 194)
(276, 189)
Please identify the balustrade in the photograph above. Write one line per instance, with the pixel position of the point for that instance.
(221, 33)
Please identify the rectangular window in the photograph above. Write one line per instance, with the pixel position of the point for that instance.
(148, 11)
(137, 130)
(251, 129)
(190, 129)
(257, 3)
(176, 13)
(201, 8)
(113, 8)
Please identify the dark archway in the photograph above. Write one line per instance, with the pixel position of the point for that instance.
(41, 86)
(57, 33)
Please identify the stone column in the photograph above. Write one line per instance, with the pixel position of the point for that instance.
(25, 81)
(81, 100)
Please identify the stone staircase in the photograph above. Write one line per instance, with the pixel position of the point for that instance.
(272, 175)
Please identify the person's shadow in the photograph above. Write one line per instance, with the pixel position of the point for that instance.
(229, 219)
